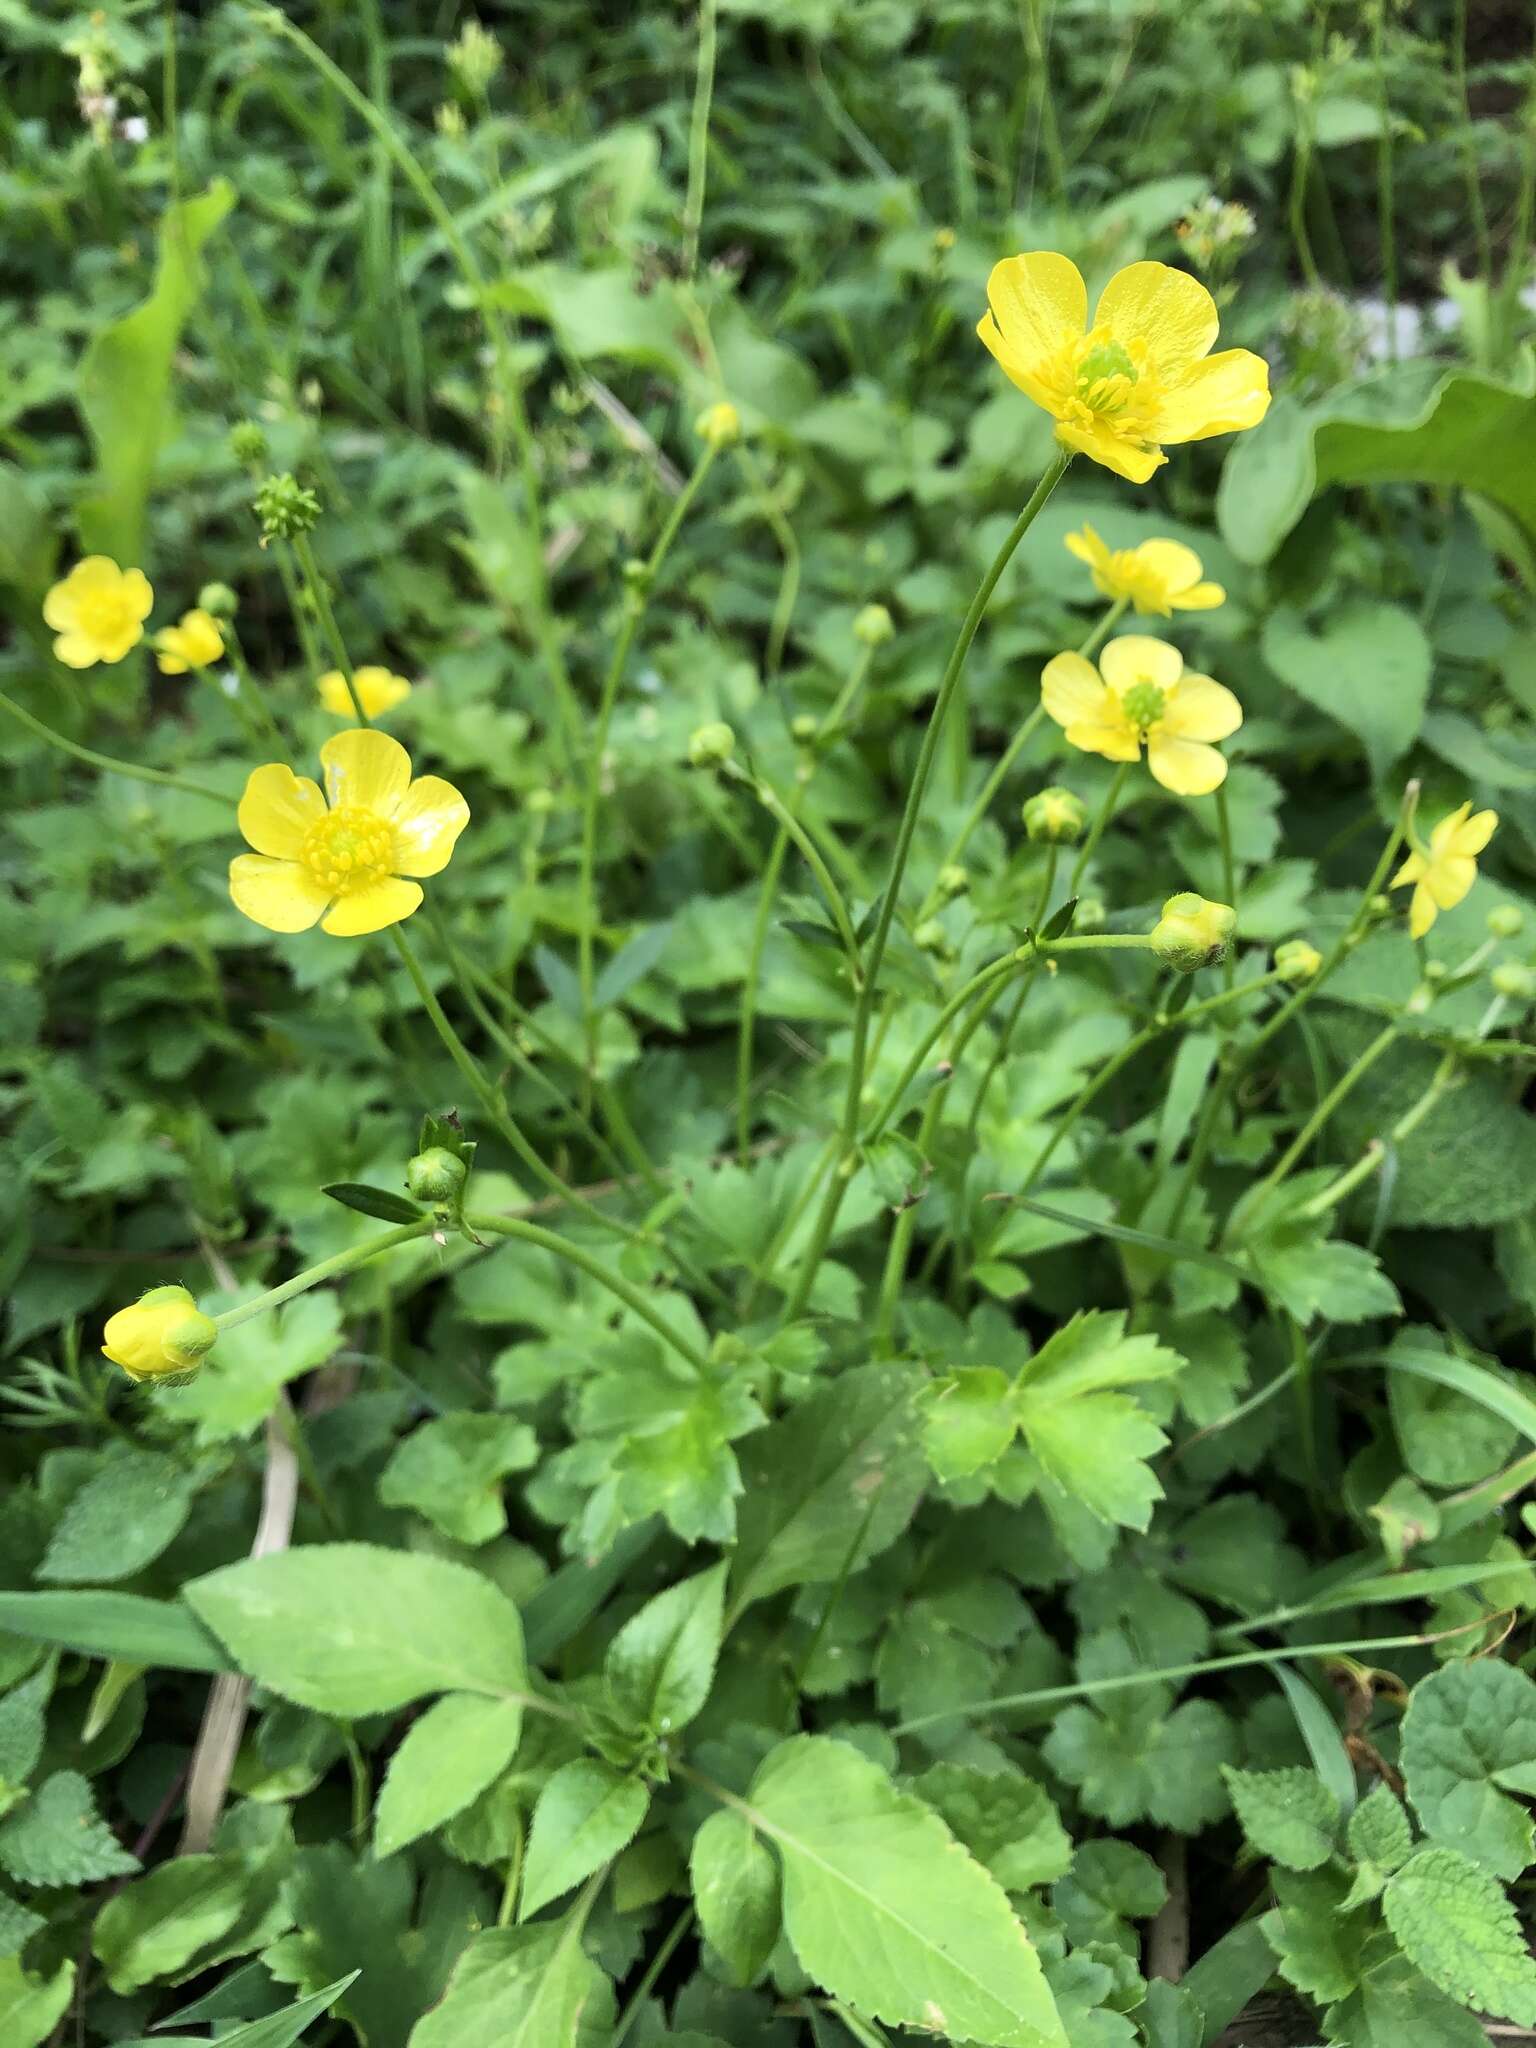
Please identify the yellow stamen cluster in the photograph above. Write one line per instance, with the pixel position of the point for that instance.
(349, 848)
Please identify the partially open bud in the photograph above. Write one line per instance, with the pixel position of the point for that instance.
(1297, 962)
(873, 626)
(164, 1336)
(1055, 816)
(711, 744)
(1193, 932)
(1506, 921)
(718, 426)
(436, 1175)
(285, 507)
(218, 600)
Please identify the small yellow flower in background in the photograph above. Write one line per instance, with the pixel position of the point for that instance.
(1445, 870)
(98, 612)
(1141, 694)
(1160, 576)
(1193, 932)
(164, 1335)
(1141, 376)
(340, 863)
(195, 643)
(717, 426)
(378, 691)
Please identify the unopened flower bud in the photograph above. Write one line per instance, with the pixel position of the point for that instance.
(953, 880)
(804, 727)
(1055, 816)
(436, 1175)
(285, 507)
(248, 444)
(718, 426)
(540, 801)
(711, 744)
(1193, 932)
(931, 937)
(164, 1336)
(873, 626)
(1511, 978)
(1296, 961)
(219, 600)
(1435, 970)
(1506, 921)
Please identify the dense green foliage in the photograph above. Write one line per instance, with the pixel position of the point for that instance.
(809, 1440)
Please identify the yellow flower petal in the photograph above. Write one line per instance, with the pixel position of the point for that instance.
(276, 893)
(431, 816)
(1038, 301)
(76, 650)
(1137, 658)
(366, 768)
(1073, 692)
(1199, 708)
(1173, 565)
(1169, 310)
(1219, 396)
(1088, 548)
(1472, 836)
(1126, 458)
(1422, 912)
(378, 690)
(137, 593)
(277, 809)
(1411, 870)
(1185, 766)
(1202, 597)
(1115, 740)
(1448, 880)
(369, 910)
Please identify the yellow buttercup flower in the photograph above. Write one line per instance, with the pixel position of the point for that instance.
(1445, 870)
(1141, 694)
(343, 860)
(378, 691)
(98, 611)
(195, 643)
(163, 1336)
(1141, 376)
(1160, 576)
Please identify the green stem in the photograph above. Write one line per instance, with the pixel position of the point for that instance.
(788, 821)
(514, 1875)
(1385, 202)
(768, 1265)
(1301, 170)
(635, 2003)
(320, 598)
(1475, 205)
(333, 1268)
(698, 141)
(837, 1180)
(1376, 1152)
(1096, 830)
(1344, 1086)
(993, 975)
(748, 1018)
(159, 776)
(573, 1254)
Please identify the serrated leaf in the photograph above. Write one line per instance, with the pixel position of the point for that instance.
(1095, 1447)
(21, 1726)
(1396, 2006)
(1289, 1816)
(155, 1926)
(1319, 1942)
(969, 1420)
(451, 1468)
(885, 1909)
(1379, 1832)
(59, 1838)
(369, 1201)
(1469, 1739)
(1453, 1922)
(1006, 1820)
(447, 1759)
(586, 1814)
(661, 1664)
(127, 1512)
(350, 1628)
(1140, 1762)
(736, 1891)
(522, 1987)
(18, 1924)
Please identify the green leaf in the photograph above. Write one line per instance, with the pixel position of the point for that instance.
(1232, 1971)
(125, 381)
(1396, 2006)
(351, 1629)
(29, 544)
(1173, 2017)
(380, 1202)
(1383, 651)
(736, 1892)
(1309, 1274)
(1449, 1437)
(135, 1504)
(1453, 1922)
(968, 1420)
(58, 1837)
(122, 1626)
(1379, 1832)
(21, 1727)
(1289, 1816)
(886, 1910)
(1091, 1353)
(586, 1814)
(282, 2029)
(1095, 1447)
(830, 1486)
(1469, 1739)
(153, 1927)
(1006, 1820)
(661, 1664)
(522, 1987)
(447, 1759)
(451, 1469)
(242, 1376)
(31, 2007)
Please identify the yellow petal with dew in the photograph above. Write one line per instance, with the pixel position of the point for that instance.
(1038, 301)
(1200, 708)
(431, 816)
(1169, 310)
(1187, 767)
(276, 893)
(382, 903)
(277, 810)
(1222, 395)
(366, 768)
(1073, 691)
(1134, 658)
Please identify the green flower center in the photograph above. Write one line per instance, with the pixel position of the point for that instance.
(348, 849)
(1144, 704)
(1104, 359)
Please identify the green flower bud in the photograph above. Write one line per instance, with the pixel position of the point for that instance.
(285, 507)
(1506, 921)
(436, 1175)
(718, 426)
(804, 727)
(1511, 978)
(1055, 816)
(1435, 970)
(1193, 932)
(953, 880)
(1296, 961)
(164, 1336)
(540, 801)
(218, 600)
(931, 937)
(248, 444)
(873, 626)
(711, 744)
